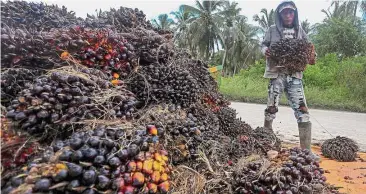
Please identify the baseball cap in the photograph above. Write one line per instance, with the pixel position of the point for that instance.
(287, 6)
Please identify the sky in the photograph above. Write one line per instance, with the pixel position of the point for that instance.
(310, 9)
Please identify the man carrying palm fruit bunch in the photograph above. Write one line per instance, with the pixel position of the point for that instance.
(287, 26)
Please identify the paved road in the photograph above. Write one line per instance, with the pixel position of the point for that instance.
(352, 125)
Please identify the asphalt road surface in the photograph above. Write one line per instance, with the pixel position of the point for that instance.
(325, 123)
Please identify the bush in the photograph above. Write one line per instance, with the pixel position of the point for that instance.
(346, 37)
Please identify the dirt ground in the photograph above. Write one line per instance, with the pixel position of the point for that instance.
(349, 177)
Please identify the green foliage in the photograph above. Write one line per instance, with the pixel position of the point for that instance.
(163, 22)
(266, 19)
(346, 37)
(330, 83)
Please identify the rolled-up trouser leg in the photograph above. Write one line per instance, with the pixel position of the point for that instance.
(275, 89)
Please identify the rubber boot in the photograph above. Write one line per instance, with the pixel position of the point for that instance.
(305, 138)
(268, 124)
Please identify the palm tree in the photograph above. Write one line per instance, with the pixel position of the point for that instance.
(266, 19)
(163, 22)
(241, 44)
(230, 11)
(183, 18)
(205, 28)
(342, 10)
(305, 25)
(363, 8)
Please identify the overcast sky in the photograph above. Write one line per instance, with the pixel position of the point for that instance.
(152, 8)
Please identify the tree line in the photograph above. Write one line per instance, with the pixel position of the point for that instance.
(216, 31)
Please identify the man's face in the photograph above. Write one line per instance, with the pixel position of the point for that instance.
(287, 16)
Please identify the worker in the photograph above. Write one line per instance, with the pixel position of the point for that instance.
(286, 26)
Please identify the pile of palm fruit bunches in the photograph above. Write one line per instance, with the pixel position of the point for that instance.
(108, 104)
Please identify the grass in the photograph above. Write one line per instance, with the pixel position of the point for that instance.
(332, 92)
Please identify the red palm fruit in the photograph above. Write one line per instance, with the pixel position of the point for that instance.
(131, 166)
(165, 158)
(138, 166)
(163, 152)
(164, 187)
(147, 166)
(115, 75)
(107, 57)
(138, 179)
(140, 156)
(152, 130)
(158, 157)
(155, 176)
(148, 155)
(164, 177)
(127, 178)
(153, 188)
(129, 190)
(121, 184)
(157, 166)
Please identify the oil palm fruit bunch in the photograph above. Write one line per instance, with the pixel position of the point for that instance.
(16, 148)
(340, 148)
(293, 54)
(177, 128)
(36, 16)
(157, 83)
(227, 117)
(150, 46)
(14, 80)
(101, 49)
(106, 159)
(266, 140)
(22, 48)
(299, 174)
(55, 101)
(207, 120)
(122, 19)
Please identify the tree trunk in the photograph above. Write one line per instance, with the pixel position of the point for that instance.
(224, 59)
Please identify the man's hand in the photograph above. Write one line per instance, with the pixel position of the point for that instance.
(268, 53)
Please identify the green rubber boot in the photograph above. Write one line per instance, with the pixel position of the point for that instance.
(268, 124)
(305, 138)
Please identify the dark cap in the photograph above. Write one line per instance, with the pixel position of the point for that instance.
(286, 6)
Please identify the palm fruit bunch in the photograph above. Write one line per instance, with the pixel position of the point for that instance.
(296, 172)
(215, 101)
(106, 159)
(157, 83)
(36, 16)
(56, 100)
(122, 19)
(101, 49)
(150, 46)
(293, 54)
(266, 140)
(227, 117)
(179, 129)
(16, 148)
(207, 84)
(340, 148)
(22, 48)
(14, 80)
